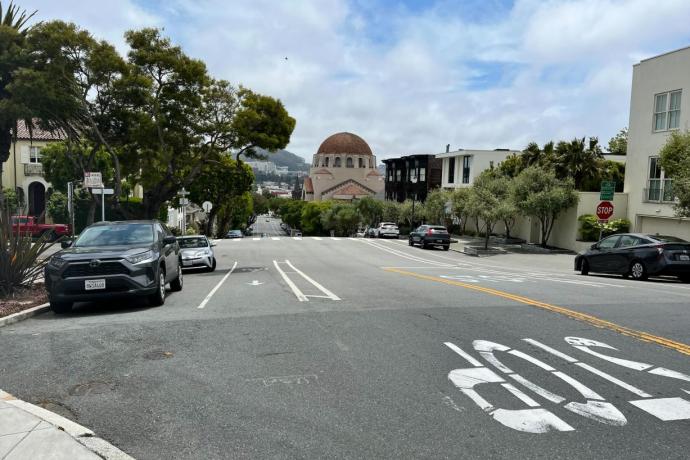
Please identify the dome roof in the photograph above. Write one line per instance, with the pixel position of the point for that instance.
(344, 143)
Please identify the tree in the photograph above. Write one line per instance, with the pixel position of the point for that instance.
(390, 212)
(57, 207)
(486, 198)
(342, 218)
(675, 161)
(260, 122)
(311, 217)
(260, 203)
(618, 145)
(435, 206)
(370, 209)
(460, 200)
(220, 182)
(575, 160)
(235, 213)
(540, 194)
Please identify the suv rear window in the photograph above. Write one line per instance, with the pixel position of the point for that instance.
(439, 229)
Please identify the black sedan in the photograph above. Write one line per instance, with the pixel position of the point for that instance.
(638, 256)
(430, 235)
(234, 234)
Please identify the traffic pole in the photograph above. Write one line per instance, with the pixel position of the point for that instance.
(102, 203)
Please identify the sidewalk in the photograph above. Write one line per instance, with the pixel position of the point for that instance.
(28, 431)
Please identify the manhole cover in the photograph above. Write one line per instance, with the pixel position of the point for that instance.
(249, 269)
(59, 408)
(158, 354)
(91, 388)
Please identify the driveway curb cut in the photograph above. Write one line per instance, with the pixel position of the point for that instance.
(81, 434)
(22, 315)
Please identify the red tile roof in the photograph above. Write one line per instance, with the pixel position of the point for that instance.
(344, 143)
(37, 134)
(323, 171)
(374, 173)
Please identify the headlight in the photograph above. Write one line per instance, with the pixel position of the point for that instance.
(57, 262)
(202, 253)
(140, 258)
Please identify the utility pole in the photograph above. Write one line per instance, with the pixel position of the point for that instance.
(183, 208)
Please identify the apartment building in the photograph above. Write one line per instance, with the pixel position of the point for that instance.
(411, 177)
(659, 105)
(461, 167)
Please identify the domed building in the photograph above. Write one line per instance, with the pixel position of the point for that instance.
(344, 168)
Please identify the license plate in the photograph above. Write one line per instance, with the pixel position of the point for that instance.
(91, 285)
(684, 257)
(187, 262)
(439, 241)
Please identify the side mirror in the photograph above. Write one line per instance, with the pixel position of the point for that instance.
(169, 240)
(594, 246)
(66, 243)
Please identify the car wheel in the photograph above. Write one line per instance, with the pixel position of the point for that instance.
(584, 267)
(638, 271)
(409, 242)
(445, 248)
(684, 278)
(177, 284)
(158, 298)
(424, 245)
(60, 308)
(213, 265)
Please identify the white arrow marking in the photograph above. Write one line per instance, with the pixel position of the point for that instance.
(255, 283)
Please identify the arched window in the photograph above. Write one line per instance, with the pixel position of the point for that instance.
(325, 162)
(336, 163)
(350, 163)
(361, 163)
(371, 163)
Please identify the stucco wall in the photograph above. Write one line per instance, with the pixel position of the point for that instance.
(480, 160)
(322, 182)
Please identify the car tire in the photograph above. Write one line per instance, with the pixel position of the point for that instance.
(445, 248)
(584, 267)
(684, 278)
(424, 245)
(177, 284)
(60, 308)
(638, 271)
(213, 265)
(158, 298)
(409, 242)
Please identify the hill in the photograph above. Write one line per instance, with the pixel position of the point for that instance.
(285, 158)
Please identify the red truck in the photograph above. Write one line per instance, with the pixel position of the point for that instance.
(27, 225)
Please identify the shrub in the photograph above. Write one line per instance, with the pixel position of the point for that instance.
(590, 227)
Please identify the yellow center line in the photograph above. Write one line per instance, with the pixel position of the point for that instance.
(593, 320)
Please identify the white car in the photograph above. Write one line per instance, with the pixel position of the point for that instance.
(197, 252)
(387, 230)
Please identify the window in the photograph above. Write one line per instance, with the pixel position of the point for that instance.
(466, 169)
(422, 174)
(34, 154)
(609, 242)
(628, 241)
(659, 188)
(349, 163)
(667, 110)
(361, 163)
(390, 174)
(325, 162)
(451, 170)
(336, 163)
(398, 175)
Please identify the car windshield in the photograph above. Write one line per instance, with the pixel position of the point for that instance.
(194, 242)
(116, 235)
(667, 239)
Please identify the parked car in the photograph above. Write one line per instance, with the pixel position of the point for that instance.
(387, 230)
(28, 225)
(197, 251)
(370, 232)
(638, 256)
(249, 231)
(361, 232)
(234, 234)
(429, 236)
(113, 259)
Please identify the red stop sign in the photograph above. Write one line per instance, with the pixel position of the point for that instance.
(605, 210)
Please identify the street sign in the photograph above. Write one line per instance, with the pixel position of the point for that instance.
(608, 188)
(103, 191)
(605, 210)
(93, 179)
(207, 206)
(184, 201)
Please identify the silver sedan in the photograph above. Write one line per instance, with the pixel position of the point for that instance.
(197, 252)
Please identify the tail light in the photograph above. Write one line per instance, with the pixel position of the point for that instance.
(430, 231)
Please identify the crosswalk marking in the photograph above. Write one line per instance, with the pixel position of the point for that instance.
(275, 238)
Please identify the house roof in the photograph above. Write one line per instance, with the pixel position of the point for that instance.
(37, 134)
(373, 172)
(345, 186)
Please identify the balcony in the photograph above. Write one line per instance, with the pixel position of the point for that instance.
(33, 169)
(659, 191)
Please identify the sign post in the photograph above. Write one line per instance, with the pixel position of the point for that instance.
(604, 213)
(95, 180)
(70, 204)
(183, 204)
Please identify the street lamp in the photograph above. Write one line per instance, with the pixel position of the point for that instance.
(413, 180)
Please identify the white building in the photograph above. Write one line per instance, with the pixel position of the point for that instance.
(461, 167)
(267, 167)
(659, 104)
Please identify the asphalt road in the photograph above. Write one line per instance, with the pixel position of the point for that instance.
(353, 348)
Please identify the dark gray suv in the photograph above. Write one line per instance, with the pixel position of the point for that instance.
(113, 259)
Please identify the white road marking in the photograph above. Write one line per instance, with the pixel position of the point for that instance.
(317, 285)
(275, 238)
(334, 238)
(405, 255)
(553, 351)
(464, 354)
(236, 240)
(520, 395)
(317, 238)
(256, 239)
(298, 293)
(255, 283)
(213, 291)
(665, 409)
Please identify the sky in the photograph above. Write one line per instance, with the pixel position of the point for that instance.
(413, 76)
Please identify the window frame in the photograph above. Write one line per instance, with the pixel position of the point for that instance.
(666, 110)
(35, 154)
(466, 167)
(451, 170)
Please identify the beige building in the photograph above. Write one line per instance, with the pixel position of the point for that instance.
(461, 167)
(23, 170)
(344, 168)
(659, 104)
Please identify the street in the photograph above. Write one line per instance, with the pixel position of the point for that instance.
(320, 347)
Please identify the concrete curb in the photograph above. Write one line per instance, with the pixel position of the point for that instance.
(22, 315)
(81, 434)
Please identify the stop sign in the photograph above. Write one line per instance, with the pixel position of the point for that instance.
(605, 210)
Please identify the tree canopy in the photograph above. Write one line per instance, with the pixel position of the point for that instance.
(675, 160)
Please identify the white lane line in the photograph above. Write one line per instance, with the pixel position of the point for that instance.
(317, 238)
(317, 285)
(236, 240)
(335, 239)
(299, 294)
(298, 238)
(213, 291)
(405, 255)
(553, 351)
(470, 359)
(275, 238)
(256, 239)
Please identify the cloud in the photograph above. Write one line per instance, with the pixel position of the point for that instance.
(411, 77)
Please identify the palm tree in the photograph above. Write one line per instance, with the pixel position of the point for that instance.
(13, 56)
(580, 163)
